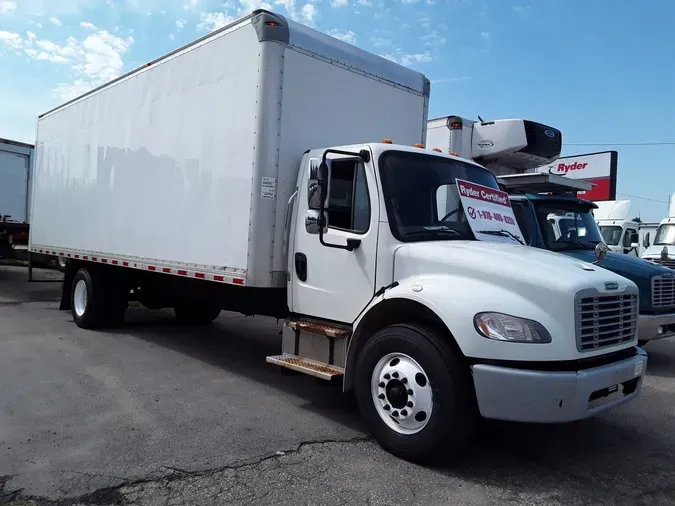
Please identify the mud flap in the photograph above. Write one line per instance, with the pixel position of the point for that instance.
(68, 277)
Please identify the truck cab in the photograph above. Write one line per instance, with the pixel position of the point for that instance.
(662, 250)
(566, 225)
(619, 232)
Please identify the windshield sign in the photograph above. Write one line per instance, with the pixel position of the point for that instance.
(489, 213)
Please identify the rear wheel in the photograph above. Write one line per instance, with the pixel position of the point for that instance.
(414, 394)
(95, 302)
(196, 313)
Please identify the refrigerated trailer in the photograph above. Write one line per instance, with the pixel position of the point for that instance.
(254, 170)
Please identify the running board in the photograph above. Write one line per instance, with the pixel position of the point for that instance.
(306, 366)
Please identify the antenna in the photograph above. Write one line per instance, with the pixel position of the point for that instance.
(481, 119)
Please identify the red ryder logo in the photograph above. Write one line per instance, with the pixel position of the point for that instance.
(566, 167)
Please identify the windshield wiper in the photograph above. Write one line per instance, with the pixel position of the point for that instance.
(439, 230)
(574, 243)
(501, 233)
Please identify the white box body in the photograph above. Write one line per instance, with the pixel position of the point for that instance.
(190, 160)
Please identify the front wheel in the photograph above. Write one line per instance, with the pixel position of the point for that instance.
(414, 394)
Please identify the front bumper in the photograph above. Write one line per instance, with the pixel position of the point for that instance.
(520, 395)
(652, 327)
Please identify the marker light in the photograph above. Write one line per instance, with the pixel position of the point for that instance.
(418, 145)
(438, 150)
(453, 153)
(386, 141)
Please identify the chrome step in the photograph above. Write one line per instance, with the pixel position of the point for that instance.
(319, 329)
(306, 366)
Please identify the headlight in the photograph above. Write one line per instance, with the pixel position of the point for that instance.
(502, 327)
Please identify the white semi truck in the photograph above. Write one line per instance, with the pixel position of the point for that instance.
(245, 172)
(16, 164)
(661, 249)
(619, 231)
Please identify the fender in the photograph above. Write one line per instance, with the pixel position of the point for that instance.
(449, 302)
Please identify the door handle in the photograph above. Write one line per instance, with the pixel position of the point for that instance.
(301, 266)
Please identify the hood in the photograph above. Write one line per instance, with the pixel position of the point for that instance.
(624, 265)
(519, 266)
(654, 251)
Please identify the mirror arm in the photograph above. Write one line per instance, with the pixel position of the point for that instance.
(352, 244)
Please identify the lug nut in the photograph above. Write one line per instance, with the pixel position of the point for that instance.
(395, 375)
(409, 404)
(381, 396)
(381, 385)
(394, 413)
(386, 407)
(386, 376)
(404, 412)
(410, 392)
(404, 380)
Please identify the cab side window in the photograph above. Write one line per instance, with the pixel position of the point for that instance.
(628, 237)
(348, 203)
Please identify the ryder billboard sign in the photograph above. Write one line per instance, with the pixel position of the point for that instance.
(599, 169)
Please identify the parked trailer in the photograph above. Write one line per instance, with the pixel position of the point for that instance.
(244, 172)
(16, 161)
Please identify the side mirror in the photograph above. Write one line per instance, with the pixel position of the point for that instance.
(645, 241)
(312, 221)
(318, 183)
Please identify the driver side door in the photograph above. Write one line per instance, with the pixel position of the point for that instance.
(331, 283)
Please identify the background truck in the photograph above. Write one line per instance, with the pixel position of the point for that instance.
(620, 232)
(552, 218)
(259, 185)
(16, 164)
(662, 249)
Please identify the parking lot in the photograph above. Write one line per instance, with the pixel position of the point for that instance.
(156, 413)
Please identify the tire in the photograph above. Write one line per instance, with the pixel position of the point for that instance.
(87, 300)
(196, 314)
(96, 300)
(445, 387)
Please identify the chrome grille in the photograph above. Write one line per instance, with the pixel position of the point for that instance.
(666, 263)
(604, 320)
(663, 292)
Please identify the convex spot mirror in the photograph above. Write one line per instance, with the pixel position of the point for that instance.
(317, 172)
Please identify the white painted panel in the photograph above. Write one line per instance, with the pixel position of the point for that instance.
(13, 185)
(157, 165)
(325, 105)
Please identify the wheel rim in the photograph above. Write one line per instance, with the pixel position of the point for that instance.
(80, 297)
(402, 393)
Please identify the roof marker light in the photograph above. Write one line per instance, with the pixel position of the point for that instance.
(438, 150)
(386, 141)
(418, 145)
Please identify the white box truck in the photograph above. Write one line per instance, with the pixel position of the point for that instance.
(248, 172)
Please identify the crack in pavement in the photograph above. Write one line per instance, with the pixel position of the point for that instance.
(114, 495)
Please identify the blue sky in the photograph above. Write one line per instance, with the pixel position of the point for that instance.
(599, 70)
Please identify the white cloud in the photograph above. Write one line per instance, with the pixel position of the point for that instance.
(365, 3)
(308, 14)
(485, 35)
(95, 60)
(408, 59)
(450, 80)
(433, 39)
(11, 40)
(55, 21)
(347, 36)
(339, 3)
(210, 21)
(87, 25)
(180, 23)
(7, 6)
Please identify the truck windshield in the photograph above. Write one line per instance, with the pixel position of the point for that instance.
(611, 234)
(567, 226)
(421, 195)
(665, 235)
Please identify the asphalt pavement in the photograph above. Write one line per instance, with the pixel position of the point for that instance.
(156, 413)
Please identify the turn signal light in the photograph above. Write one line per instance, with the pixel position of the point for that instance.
(386, 141)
